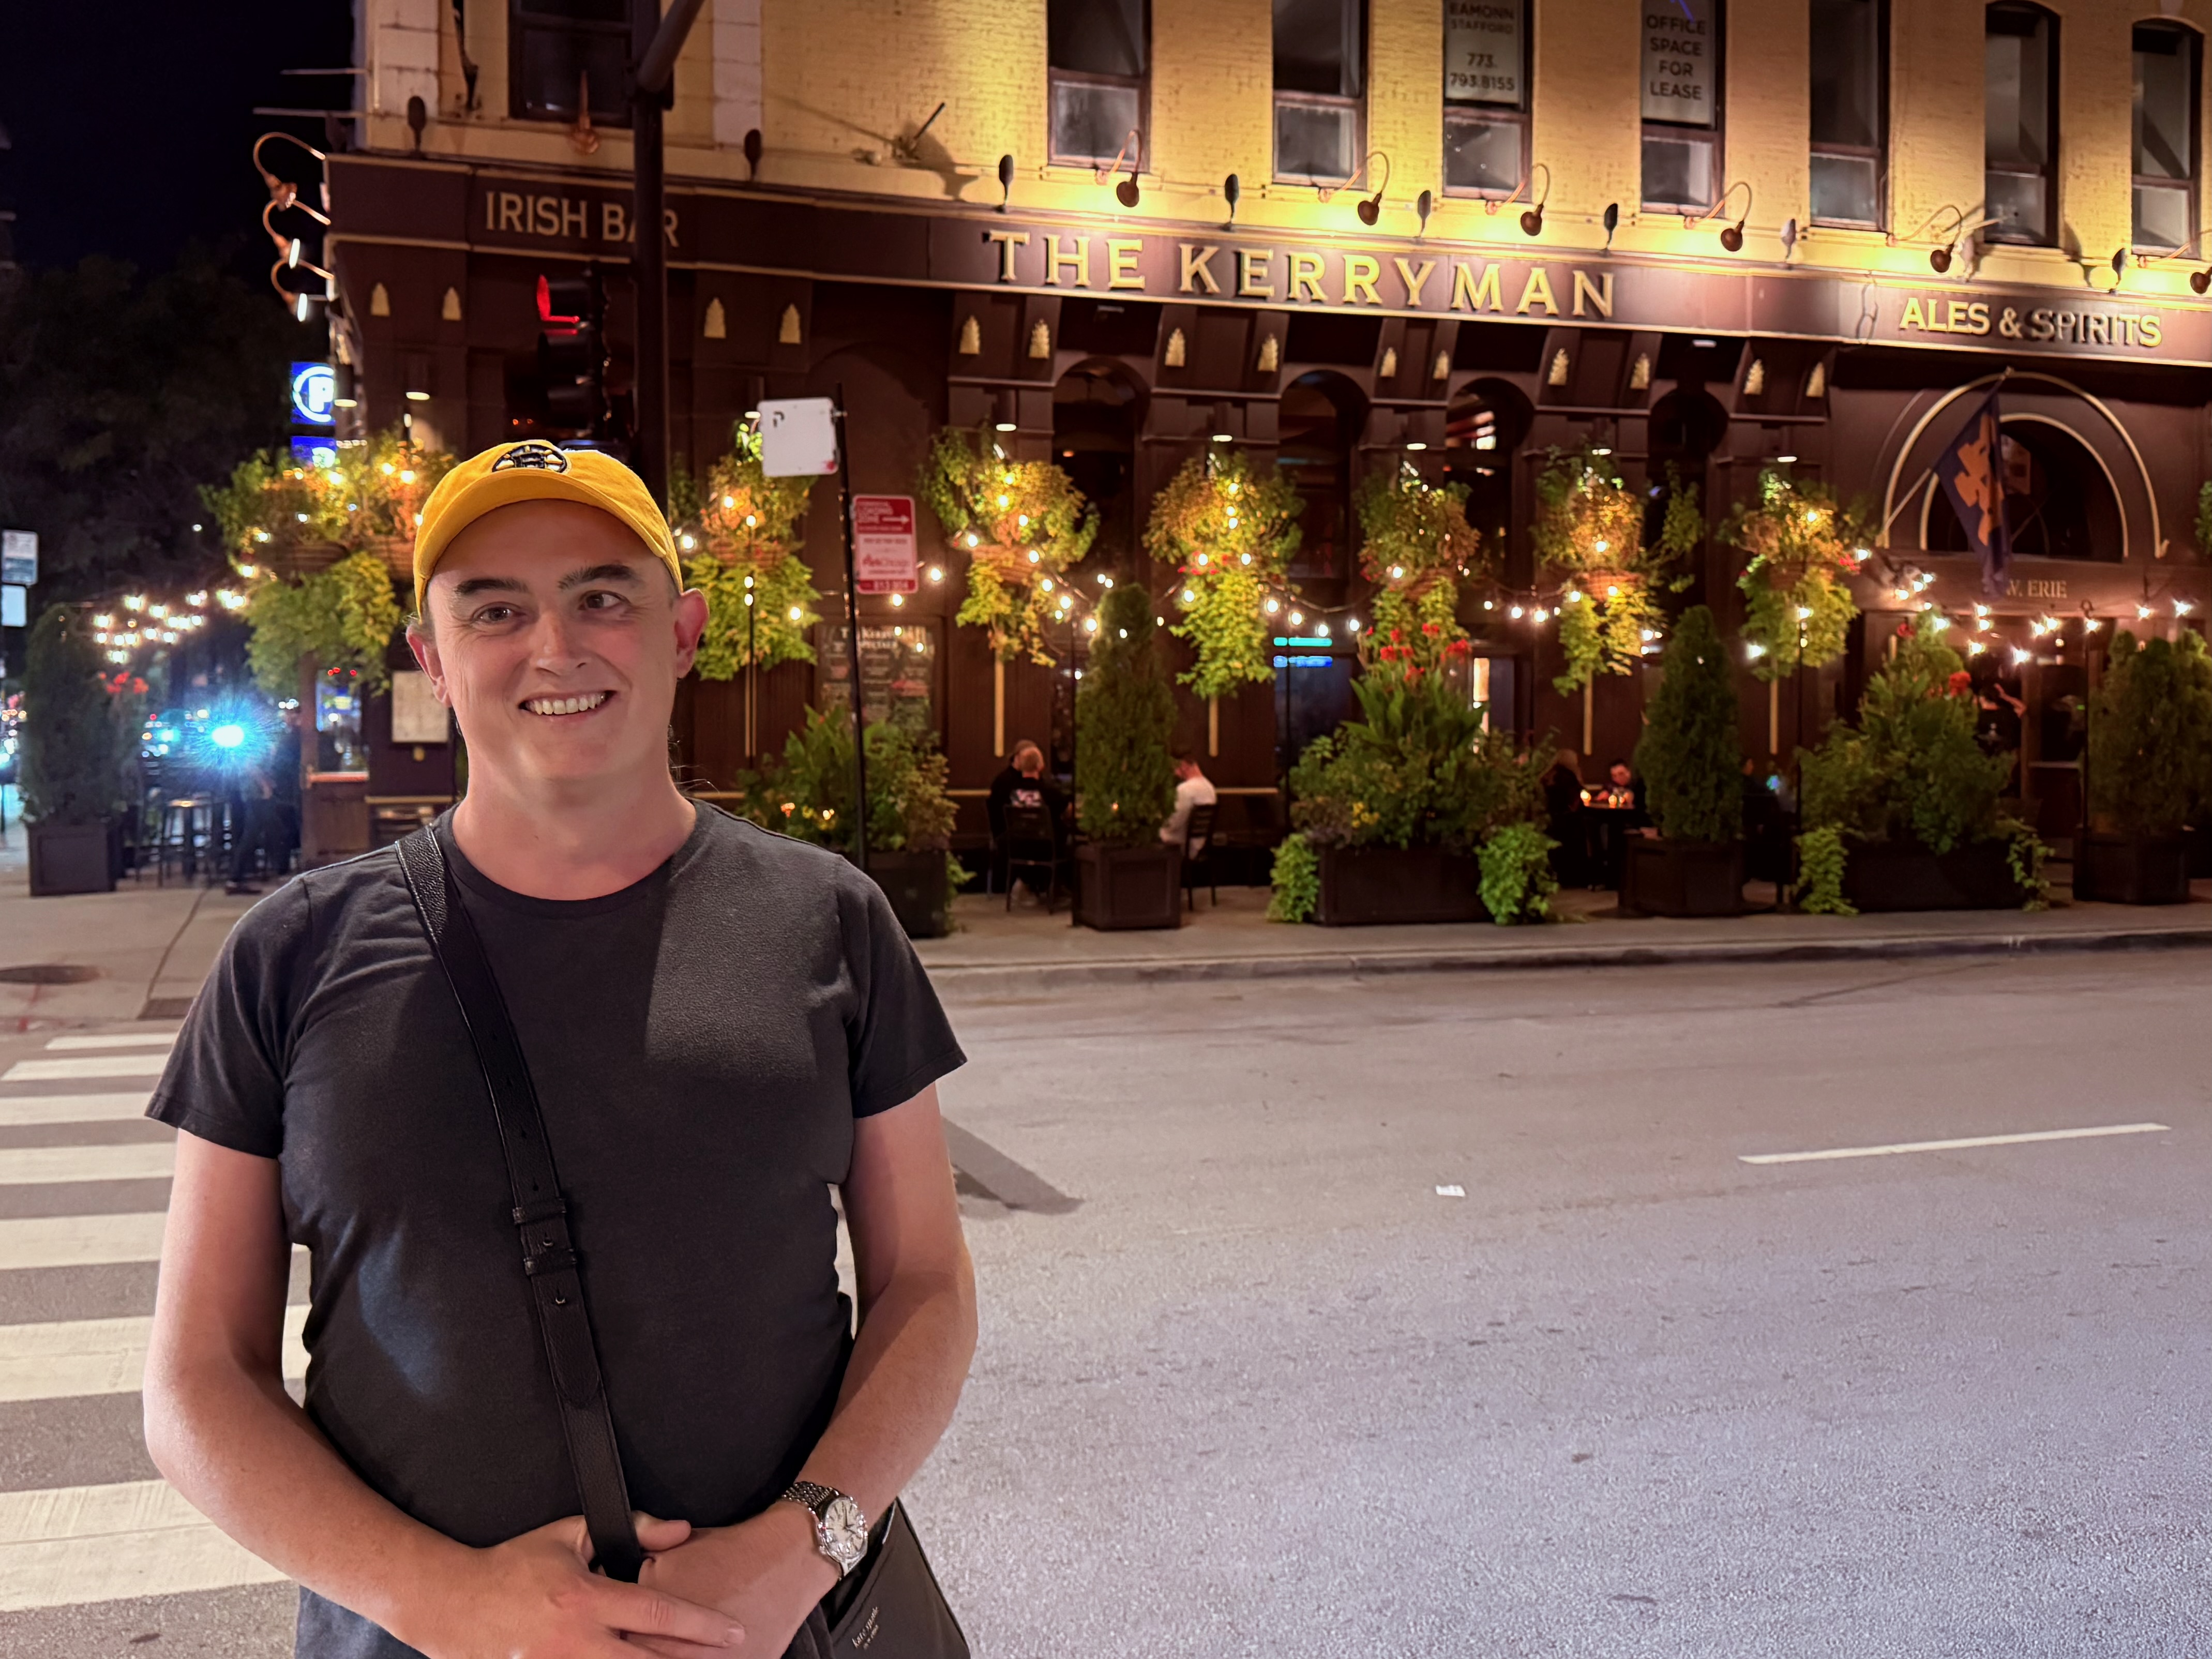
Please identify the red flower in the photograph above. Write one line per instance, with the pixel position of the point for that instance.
(1428, 628)
(1962, 684)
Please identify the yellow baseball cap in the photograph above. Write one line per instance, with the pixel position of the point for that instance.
(535, 471)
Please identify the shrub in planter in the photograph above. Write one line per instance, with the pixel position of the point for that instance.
(1419, 777)
(1124, 772)
(808, 795)
(79, 731)
(1912, 779)
(1692, 760)
(2150, 770)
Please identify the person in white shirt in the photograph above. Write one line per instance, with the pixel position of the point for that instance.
(1193, 788)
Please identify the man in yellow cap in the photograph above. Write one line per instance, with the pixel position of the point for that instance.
(720, 1023)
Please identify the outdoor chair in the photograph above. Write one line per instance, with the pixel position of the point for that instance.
(1031, 844)
(1197, 868)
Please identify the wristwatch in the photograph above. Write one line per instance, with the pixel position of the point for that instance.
(841, 1530)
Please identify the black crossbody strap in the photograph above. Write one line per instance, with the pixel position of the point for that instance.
(540, 1213)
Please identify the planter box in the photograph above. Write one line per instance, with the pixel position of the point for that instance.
(1119, 887)
(1906, 876)
(916, 884)
(1682, 878)
(72, 858)
(2131, 869)
(1370, 886)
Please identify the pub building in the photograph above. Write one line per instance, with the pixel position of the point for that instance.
(1344, 235)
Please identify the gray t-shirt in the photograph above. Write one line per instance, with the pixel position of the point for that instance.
(701, 1042)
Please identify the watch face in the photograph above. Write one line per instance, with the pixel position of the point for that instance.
(845, 1530)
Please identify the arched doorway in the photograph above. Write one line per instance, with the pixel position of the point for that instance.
(1485, 425)
(2059, 502)
(1321, 417)
(1098, 410)
(1686, 427)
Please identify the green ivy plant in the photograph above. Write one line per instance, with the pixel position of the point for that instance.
(2024, 854)
(369, 497)
(1804, 548)
(1517, 882)
(1416, 548)
(744, 533)
(1589, 535)
(1691, 755)
(1820, 860)
(1230, 534)
(1125, 722)
(2150, 736)
(341, 618)
(1023, 526)
(1295, 881)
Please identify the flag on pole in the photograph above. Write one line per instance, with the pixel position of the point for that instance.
(1971, 472)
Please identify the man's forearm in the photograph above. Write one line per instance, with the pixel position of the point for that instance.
(909, 1363)
(250, 1459)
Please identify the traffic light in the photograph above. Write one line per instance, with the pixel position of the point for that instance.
(571, 352)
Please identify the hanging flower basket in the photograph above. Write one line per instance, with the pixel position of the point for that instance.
(1023, 524)
(1416, 548)
(1589, 537)
(1804, 548)
(742, 534)
(1229, 534)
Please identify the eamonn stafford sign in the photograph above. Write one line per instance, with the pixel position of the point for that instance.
(847, 240)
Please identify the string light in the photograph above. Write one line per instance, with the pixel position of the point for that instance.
(2182, 607)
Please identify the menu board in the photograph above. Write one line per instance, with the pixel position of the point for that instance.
(1682, 62)
(898, 672)
(1482, 52)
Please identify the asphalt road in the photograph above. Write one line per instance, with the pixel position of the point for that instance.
(1250, 1383)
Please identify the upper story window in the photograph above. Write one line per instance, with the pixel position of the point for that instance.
(1682, 105)
(2020, 188)
(1851, 128)
(1486, 96)
(1099, 52)
(565, 55)
(2169, 65)
(1321, 77)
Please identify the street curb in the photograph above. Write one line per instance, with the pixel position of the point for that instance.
(1164, 971)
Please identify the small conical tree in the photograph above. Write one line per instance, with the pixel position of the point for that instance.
(73, 750)
(2150, 735)
(1124, 722)
(1692, 754)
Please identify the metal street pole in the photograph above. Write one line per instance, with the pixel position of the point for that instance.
(852, 637)
(655, 43)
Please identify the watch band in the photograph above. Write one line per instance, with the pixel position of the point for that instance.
(842, 1542)
(811, 1494)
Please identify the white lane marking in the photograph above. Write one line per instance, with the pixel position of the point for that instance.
(68, 1545)
(70, 1108)
(80, 1241)
(133, 1160)
(47, 1071)
(71, 1357)
(1954, 1145)
(114, 1040)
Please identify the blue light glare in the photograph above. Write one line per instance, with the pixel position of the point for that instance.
(228, 736)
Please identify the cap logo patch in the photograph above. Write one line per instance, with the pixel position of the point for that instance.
(536, 454)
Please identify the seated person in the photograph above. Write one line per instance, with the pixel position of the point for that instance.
(1627, 792)
(995, 804)
(1031, 787)
(1193, 788)
(1562, 784)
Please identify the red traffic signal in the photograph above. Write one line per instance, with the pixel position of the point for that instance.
(567, 300)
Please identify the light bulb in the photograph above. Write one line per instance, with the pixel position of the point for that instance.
(1600, 547)
(796, 613)
(1755, 650)
(1298, 619)
(1270, 607)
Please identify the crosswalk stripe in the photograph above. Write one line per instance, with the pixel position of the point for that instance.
(136, 1160)
(47, 1071)
(113, 1040)
(69, 1357)
(80, 1241)
(65, 1545)
(19, 1109)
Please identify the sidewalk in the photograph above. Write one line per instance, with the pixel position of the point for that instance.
(995, 951)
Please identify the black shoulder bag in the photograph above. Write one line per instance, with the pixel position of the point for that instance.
(891, 1605)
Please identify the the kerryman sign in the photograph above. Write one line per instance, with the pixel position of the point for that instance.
(856, 241)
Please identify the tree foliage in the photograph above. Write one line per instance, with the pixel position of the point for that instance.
(1913, 771)
(1023, 525)
(80, 726)
(1691, 755)
(343, 618)
(1416, 547)
(1589, 534)
(1125, 721)
(2150, 736)
(749, 532)
(120, 397)
(1797, 599)
(1228, 533)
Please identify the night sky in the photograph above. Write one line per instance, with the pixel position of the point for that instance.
(132, 123)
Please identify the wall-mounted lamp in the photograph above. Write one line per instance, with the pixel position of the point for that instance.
(1221, 434)
(1612, 221)
(415, 370)
(1532, 221)
(1231, 191)
(1424, 205)
(1731, 235)
(346, 393)
(1132, 150)
(2199, 280)
(1003, 416)
(1370, 207)
(752, 154)
(1005, 181)
(1788, 237)
(1941, 258)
